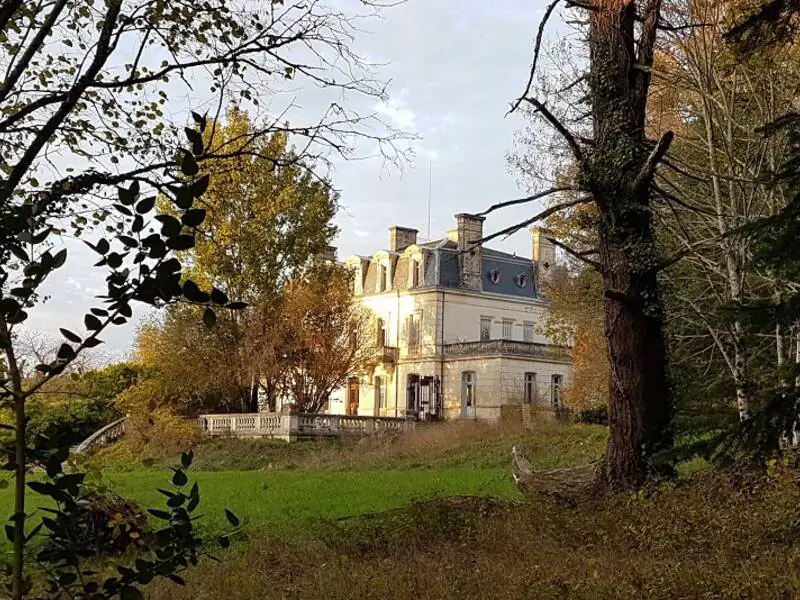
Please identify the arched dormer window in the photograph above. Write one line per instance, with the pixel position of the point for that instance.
(415, 257)
(383, 275)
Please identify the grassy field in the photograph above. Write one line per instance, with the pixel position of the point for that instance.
(435, 515)
(288, 489)
(291, 502)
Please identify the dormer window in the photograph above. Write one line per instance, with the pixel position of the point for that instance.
(494, 276)
(416, 272)
(521, 280)
(383, 278)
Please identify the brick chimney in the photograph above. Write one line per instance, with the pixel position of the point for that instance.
(401, 238)
(470, 256)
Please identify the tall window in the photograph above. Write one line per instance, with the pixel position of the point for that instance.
(412, 330)
(468, 384)
(381, 329)
(530, 388)
(416, 273)
(508, 329)
(383, 277)
(556, 383)
(380, 393)
(527, 332)
(486, 329)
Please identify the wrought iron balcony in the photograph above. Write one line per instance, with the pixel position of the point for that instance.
(386, 355)
(507, 347)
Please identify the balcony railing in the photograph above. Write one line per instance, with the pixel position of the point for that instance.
(292, 426)
(386, 355)
(507, 347)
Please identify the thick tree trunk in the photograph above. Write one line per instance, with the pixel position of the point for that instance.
(639, 407)
(618, 171)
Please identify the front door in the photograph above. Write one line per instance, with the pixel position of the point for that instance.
(352, 396)
(468, 394)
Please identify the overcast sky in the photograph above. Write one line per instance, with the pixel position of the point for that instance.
(454, 66)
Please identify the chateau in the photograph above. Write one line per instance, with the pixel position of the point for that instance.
(458, 326)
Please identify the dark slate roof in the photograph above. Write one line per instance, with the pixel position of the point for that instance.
(516, 273)
(516, 279)
(448, 268)
(489, 253)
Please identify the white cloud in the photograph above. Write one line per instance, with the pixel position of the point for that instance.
(398, 113)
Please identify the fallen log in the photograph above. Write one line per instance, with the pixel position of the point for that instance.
(566, 485)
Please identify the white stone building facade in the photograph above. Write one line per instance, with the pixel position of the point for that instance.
(459, 328)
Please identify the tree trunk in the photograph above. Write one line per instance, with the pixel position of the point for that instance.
(639, 406)
(618, 172)
(780, 354)
(796, 425)
(19, 461)
(740, 371)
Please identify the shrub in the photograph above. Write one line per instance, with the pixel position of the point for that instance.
(69, 423)
(107, 525)
(596, 416)
(160, 433)
(62, 423)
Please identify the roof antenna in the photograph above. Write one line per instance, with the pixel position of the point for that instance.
(430, 166)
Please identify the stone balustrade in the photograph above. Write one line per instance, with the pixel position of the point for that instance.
(102, 437)
(293, 426)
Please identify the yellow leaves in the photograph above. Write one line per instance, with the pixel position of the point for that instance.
(265, 215)
(577, 314)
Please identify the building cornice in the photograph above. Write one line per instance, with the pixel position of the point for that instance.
(458, 292)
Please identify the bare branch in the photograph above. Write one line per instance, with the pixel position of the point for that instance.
(536, 48)
(580, 255)
(645, 176)
(533, 198)
(558, 126)
(103, 44)
(673, 198)
(538, 217)
(44, 30)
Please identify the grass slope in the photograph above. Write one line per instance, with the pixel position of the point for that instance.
(290, 502)
(287, 489)
(702, 538)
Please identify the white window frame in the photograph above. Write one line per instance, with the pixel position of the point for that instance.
(380, 392)
(381, 278)
(388, 282)
(529, 387)
(414, 330)
(527, 332)
(416, 273)
(508, 329)
(556, 385)
(485, 321)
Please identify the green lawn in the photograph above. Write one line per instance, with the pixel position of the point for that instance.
(292, 501)
(279, 488)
